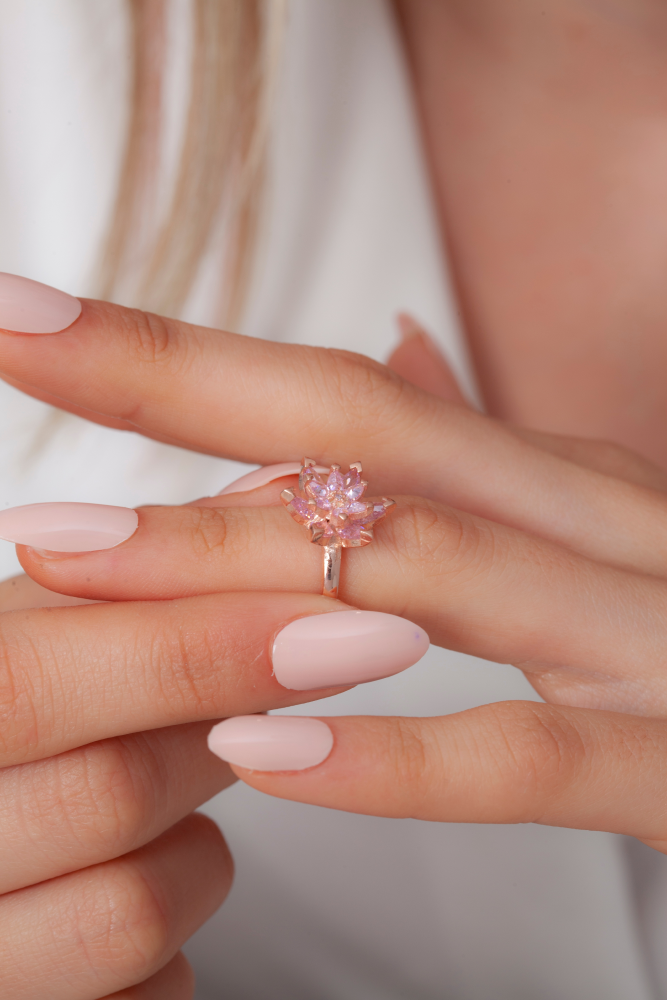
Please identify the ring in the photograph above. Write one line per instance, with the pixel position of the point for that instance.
(334, 511)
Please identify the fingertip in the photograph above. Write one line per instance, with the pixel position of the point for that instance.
(272, 742)
(31, 307)
(345, 647)
(419, 360)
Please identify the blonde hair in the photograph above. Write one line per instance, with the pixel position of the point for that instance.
(152, 257)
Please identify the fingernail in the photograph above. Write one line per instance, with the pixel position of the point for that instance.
(28, 306)
(260, 477)
(68, 527)
(272, 742)
(345, 647)
(408, 327)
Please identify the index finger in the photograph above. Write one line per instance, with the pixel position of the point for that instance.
(73, 676)
(260, 401)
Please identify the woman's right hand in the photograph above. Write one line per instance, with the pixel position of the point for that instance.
(105, 870)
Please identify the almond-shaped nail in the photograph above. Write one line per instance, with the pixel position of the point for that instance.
(68, 527)
(345, 647)
(272, 742)
(28, 306)
(260, 477)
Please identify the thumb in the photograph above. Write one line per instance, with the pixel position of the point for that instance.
(418, 359)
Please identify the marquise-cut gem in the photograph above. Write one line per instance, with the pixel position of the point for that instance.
(377, 511)
(316, 489)
(334, 510)
(302, 510)
(354, 492)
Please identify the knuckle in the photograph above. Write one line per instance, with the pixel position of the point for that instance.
(125, 917)
(93, 803)
(364, 390)
(216, 532)
(545, 749)
(119, 922)
(208, 531)
(433, 537)
(184, 664)
(407, 752)
(108, 799)
(157, 341)
(413, 752)
(22, 668)
(151, 338)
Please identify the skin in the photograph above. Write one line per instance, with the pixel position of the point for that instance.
(546, 133)
(539, 546)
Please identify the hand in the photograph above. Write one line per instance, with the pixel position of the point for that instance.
(553, 566)
(104, 871)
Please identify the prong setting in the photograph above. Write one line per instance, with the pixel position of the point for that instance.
(333, 508)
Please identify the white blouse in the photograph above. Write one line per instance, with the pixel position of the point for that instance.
(326, 904)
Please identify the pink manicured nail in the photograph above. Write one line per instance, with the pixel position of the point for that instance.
(272, 742)
(28, 306)
(68, 527)
(345, 647)
(260, 477)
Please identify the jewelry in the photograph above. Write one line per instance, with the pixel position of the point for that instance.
(335, 513)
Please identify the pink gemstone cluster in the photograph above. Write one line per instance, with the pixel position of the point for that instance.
(333, 509)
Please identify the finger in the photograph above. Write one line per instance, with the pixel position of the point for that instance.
(600, 456)
(100, 801)
(176, 981)
(513, 762)
(114, 925)
(73, 676)
(270, 402)
(418, 360)
(94, 416)
(586, 634)
(20, 593)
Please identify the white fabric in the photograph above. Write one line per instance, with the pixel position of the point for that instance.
(326, 905)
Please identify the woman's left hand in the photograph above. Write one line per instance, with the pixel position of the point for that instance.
(558, 565)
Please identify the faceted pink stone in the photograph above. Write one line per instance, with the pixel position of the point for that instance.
(302, 511)
(378, 510)
(339, 493)
(334, 509)
(317, 490)
(352, 531)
